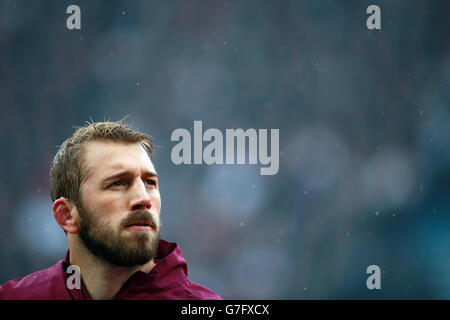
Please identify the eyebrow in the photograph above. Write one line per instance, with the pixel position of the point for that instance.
(127, 173)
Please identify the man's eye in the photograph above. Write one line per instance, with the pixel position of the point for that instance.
(117, 183)
(151, 182)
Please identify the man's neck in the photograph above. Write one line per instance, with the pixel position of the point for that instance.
(101, 279)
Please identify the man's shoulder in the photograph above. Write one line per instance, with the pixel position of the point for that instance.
(172, 275)
(200, 292)
(179, 290)
(37, 285)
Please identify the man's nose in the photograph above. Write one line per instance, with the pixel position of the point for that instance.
(140, 200)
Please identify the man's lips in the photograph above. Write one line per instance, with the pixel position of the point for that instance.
(140, 225)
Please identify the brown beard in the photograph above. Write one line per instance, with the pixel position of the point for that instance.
(108, 244)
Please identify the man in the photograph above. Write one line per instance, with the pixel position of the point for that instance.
(106, 198)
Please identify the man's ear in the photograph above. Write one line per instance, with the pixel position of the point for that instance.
(66, 215)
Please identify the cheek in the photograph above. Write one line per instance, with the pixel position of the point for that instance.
(87, 199)
(103, 204)
(156, 202)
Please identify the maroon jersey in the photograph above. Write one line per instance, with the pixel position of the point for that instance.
(167, 280)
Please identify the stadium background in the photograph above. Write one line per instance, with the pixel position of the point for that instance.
(364, 135)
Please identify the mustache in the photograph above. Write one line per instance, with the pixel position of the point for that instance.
(141, 216)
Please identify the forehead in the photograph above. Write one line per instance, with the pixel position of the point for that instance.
(102, 158)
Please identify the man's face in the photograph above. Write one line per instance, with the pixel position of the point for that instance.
(120, 211)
